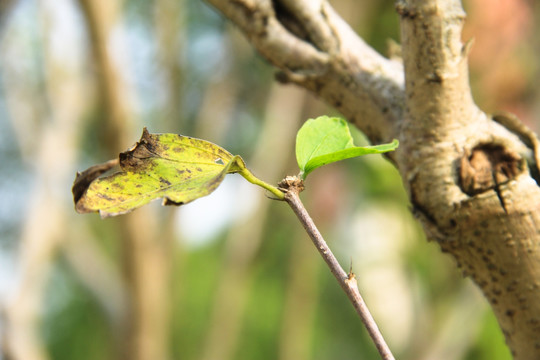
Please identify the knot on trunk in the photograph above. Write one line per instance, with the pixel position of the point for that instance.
(488, 166)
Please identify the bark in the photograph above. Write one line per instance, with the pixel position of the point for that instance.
(471, 178)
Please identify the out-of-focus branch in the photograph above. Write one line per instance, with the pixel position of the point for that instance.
(284, 107)
(5, 9)
(314, 48)
(100, 18)
(145, 255)
(170, 20)
(42, 233)
(98, 274)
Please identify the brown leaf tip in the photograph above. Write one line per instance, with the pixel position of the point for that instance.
(85, 178)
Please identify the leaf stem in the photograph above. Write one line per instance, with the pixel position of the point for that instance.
(248, 175)
(292, 186)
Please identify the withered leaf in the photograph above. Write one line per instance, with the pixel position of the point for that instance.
(177, 168)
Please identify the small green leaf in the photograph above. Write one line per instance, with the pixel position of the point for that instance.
(177, 168)
(325, 140)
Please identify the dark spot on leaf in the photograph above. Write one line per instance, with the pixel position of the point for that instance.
(104, 196)
(178, 149)
(164, 181)
(199, 169)
(117, 186)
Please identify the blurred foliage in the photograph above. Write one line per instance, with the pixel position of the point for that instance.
(187, 70)
(74, 318)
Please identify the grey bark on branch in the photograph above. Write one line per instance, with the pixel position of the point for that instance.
(471, 178)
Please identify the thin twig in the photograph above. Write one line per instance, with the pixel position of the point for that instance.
(292, 187)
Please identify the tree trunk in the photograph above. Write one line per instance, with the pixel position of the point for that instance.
(471, 178)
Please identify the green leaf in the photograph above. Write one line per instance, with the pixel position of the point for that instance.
(325, 140)
(177, 168)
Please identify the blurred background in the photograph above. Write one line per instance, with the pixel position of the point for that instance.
(232, 275)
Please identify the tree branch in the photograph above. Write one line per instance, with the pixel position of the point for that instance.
(467, 176)
(314, 48)
(292, 186)
(453, 156)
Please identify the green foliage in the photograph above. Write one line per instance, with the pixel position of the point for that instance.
(197, 276)
(485, 347)
(325, 140)
(74, 325)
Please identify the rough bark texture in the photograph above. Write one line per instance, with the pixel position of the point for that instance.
(468, 175)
